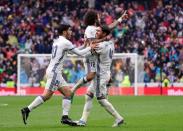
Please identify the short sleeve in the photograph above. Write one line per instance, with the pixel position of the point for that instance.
(70, 46)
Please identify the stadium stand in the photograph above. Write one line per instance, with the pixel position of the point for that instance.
(154, 30)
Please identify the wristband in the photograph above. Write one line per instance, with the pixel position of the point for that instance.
(119, 20)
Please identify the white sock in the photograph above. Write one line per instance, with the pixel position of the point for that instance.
(79, 83)
(87, 108)
(110, 109)
(37, 102)
(66, 105)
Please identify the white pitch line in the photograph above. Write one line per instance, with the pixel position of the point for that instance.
(4, 104)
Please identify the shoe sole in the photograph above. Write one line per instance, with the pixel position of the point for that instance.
(70, 124)
(81, 125)
(120, 123)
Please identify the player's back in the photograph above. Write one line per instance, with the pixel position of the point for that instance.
(59, 49)
(90, 33)
(105, 54)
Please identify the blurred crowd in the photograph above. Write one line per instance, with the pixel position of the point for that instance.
(154, 30)
(32, 70)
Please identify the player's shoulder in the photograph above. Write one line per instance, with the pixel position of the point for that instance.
(107, 43)
(111, 42)
(63, 40)
(90, 31)
(90, 28)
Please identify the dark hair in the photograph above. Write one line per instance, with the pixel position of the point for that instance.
(63, 27)
(90, 18)
(106, 29)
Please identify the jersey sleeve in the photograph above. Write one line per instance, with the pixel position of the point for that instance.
(70, 46)
(83, 52)
(81, 47)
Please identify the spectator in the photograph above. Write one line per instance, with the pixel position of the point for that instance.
(155, 30)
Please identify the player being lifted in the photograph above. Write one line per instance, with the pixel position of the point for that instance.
(91, 20)
(55, 81)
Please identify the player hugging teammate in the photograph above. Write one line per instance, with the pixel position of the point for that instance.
(98, 52)
(98, 67)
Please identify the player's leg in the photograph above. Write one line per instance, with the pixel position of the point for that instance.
(48, 92)
(66, 104)
(35, 103)
(101, 92)
(111, 110)
(87, 109)
(90, 68)
(88, 104)
(90, 76)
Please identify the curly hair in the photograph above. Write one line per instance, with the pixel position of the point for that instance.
(90, 18)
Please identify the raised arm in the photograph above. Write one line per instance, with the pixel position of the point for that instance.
(119, 20)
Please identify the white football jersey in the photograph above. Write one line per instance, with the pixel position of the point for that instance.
(59, 49)
(90, 61)
(90, 32)
(105, 54)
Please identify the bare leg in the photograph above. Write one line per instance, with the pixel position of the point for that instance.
(35, 103)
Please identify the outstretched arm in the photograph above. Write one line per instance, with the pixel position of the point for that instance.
(81, 47)
(84, 45)
(84, 52)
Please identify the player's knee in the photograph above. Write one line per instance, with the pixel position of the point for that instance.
(67, 94)
(67, 97)
(89, 96)
(90, 76)
(101, 100)
(46, 97)
(101, 97)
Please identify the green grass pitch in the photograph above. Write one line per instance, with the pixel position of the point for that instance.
(150, 113)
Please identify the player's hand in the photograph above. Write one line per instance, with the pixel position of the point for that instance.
(123, 16)
(94, 45)
(109, 37)
(87, 42)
